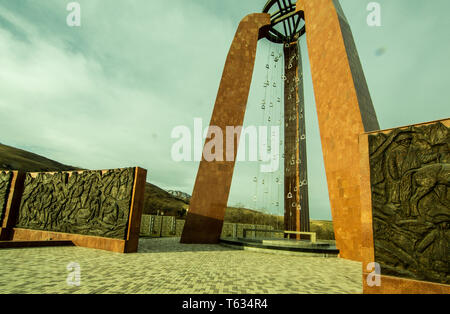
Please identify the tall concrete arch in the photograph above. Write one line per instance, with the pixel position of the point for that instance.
(212, 186)
(344, 109)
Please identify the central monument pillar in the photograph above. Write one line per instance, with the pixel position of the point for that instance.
(296, 209)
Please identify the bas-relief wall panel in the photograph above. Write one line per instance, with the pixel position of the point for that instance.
(410, 182)
(5, 184)
(92, 203)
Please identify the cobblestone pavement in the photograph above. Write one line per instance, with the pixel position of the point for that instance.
(165, 266)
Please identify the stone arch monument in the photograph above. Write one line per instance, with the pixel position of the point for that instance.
(344, 109)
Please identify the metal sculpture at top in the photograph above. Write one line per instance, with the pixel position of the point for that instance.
(283, 12)
(287, 26)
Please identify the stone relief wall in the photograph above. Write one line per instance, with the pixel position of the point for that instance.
(88, 203)
(410, 181)
(5, 184)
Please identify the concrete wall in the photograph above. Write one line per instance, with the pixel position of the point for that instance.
(38, 206)
(406, 265)
(171, 227)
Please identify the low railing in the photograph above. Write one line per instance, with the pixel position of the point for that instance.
(313, 237)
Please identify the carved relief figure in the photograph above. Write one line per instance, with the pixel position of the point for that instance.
(5, 183)
(410, 179)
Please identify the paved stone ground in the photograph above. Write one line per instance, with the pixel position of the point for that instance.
(165, 266)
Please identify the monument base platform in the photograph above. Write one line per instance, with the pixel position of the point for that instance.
(282, 246)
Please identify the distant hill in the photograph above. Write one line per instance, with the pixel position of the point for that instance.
(180, 195)
(160, 201)
(17, 159)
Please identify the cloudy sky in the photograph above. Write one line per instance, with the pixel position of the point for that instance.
(108, 94)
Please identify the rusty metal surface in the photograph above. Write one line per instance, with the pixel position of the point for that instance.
(291, 143)
(295, 165)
